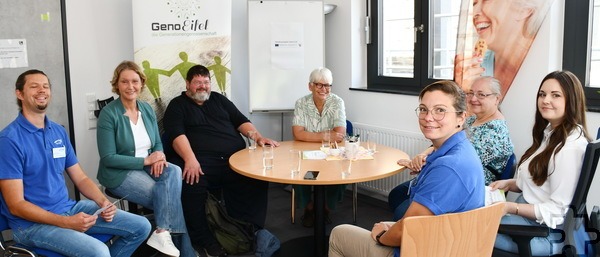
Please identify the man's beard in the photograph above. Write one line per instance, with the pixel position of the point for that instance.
(42, 107)
(200, 96)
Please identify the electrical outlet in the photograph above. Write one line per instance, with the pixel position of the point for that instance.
(91, 124)
(90, 97)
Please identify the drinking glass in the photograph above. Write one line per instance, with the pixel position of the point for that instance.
(326, 141)
(268, 156)
(345, 167)
(251, 140)
(372, 138)
(295, 157)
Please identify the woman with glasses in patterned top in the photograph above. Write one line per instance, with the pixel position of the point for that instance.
(318, 113)
(486, 129)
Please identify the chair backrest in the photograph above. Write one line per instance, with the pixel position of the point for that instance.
(101, 104)
(470, 233)
(509, 170)
(588, 169)
(349, 128)
(577, 214)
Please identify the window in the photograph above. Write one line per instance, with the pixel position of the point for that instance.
(581, 46)
(401, 58)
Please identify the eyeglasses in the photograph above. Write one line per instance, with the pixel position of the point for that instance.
(437, 113)
(479, 95)
(321, 85)
(200, 83)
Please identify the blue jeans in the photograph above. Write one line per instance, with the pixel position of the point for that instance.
(399, 200)
(540, 246)
(131, 231)
(163, 195)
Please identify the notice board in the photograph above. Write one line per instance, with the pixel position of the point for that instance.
(37, 26)
(286, 42)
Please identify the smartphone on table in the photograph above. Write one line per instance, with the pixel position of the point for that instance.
(311, 175)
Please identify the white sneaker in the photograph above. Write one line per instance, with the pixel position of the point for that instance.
(162, 242)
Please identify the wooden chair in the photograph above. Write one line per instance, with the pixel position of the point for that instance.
(576, 222)
(470, 233)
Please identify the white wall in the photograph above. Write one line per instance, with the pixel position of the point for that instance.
(100, 37)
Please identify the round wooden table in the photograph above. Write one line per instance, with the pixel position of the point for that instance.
(249, 163)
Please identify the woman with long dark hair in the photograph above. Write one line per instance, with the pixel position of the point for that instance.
(548, 172)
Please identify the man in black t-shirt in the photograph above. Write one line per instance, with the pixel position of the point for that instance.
(204, 130)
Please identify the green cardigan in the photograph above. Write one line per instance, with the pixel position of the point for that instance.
(116, 145)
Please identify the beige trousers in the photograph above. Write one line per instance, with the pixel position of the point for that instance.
(352, 241)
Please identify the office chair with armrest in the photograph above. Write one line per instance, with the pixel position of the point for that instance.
(575, 218)
(7, 249)
(349, 132)
(470, 233)
(19, 250)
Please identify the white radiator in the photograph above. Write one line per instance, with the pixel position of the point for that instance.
(410, 142)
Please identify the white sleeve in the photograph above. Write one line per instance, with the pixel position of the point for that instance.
(563, 171)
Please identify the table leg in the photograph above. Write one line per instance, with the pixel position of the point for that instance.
(319, 229)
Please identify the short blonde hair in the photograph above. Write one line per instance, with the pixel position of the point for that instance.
(126, 65)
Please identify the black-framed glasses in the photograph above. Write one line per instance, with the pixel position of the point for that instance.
(479, 95)
(321, 85)
(437, 113)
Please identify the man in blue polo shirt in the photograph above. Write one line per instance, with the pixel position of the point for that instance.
(35, 200)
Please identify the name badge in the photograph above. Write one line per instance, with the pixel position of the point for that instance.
(59, 152)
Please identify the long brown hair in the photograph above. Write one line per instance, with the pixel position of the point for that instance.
(574, 117)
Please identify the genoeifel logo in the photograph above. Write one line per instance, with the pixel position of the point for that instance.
(183, 9)
(187, 12)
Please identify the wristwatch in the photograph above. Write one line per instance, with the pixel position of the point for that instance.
(378, 236)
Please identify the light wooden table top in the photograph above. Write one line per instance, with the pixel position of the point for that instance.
(249, 163)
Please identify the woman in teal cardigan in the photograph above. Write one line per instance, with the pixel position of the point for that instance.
(132, 162)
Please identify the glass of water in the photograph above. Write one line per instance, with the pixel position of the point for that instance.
(295, 157)
(346, 167)
(251, 140)
(268, 156)
(326, 141)
(372, 138)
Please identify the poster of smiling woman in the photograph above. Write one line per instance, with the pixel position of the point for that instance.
(494, 37)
